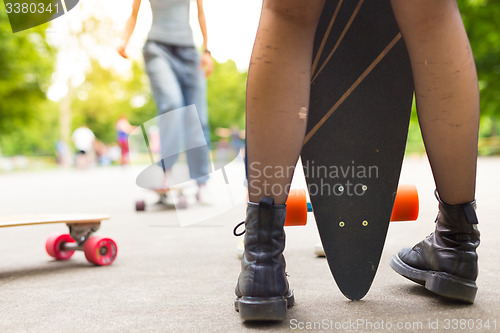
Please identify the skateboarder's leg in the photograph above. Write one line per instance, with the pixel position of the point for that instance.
(278, 94)
(195, 125)
(167, 93)
(447, 97)
(277, 103)
(446, 91)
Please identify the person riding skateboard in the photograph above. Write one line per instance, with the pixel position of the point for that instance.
(176, 73)
(447, 96)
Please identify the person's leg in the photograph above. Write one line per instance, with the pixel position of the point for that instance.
(278, 88)
(168, 97)
(195, 124)
(446, 91)
(123, 143)
(277, 103)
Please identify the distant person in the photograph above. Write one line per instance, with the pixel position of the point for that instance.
(176, 75)
(84, 140)
(236, 140)
(154, 139)
(62, 153)
(123, 129)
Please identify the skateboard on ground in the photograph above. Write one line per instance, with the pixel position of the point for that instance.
(360, 105)
(406, 208)
(181, 199)
(100, 251)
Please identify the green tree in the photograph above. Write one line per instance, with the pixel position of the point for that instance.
(106, 95)
(26, 115)
(481, 19)
(226, 97)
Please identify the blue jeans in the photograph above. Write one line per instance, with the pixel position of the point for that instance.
(177, 81)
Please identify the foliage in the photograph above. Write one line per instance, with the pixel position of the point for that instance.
(25, 72)
(481, 19)
(106, 95)
(29, 123)
(226, 97)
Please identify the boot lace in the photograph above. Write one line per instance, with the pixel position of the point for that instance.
(235, 230)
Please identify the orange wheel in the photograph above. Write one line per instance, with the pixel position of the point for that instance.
(296, 208)
(406, 204)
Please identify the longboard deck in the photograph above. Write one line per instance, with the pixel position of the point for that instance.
(360, 105)
(162, 191)
(100, 251)
(25, 220)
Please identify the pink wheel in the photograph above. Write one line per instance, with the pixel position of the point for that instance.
(100, 251)
(54, 243)
(182, 202)
(140, 206)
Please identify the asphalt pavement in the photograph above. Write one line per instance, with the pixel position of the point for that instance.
(176, 270)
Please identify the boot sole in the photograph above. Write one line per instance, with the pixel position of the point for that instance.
(440, 283)
(264, 308)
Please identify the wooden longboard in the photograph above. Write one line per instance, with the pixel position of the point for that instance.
(23, 220)
(361, 97)
(98, 250)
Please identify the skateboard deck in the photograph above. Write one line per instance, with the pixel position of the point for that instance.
(100, 251)
(360, 105)
(181, 199)
(153, 179)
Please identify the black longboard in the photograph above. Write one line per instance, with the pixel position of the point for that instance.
(361, 97)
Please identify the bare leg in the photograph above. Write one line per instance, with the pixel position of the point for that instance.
(446, 91)
(278, 94)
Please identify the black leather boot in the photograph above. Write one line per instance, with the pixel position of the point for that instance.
(446, 261)
(262, 290)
